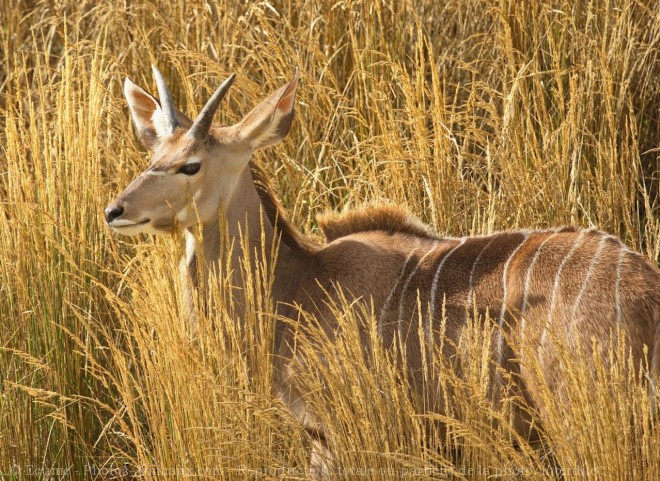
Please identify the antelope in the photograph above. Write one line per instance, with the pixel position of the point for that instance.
(581, 283)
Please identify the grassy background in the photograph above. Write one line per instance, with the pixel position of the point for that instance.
(477, 115)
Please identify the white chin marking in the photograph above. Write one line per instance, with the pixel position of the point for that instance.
(130, 230)
(122, 223)
(126, 227)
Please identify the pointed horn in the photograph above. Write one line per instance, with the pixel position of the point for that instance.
(166, 102)
(202, 125)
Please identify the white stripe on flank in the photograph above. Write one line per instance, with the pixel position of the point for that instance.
(474, 267)
(427, 333)
(504, 288)
(617, 292)
(386, 304)
(587, 277)
(555, 288)
(528, 277)
(434, 285)
(405, 286)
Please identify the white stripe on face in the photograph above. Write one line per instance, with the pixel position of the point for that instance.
(193, 159)
(156, 173)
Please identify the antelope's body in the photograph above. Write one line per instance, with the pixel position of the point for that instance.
(582, 285)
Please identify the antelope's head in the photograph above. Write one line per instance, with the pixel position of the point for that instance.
(195, 166)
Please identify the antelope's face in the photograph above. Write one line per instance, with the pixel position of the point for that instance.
(195, 168)
(186, 183)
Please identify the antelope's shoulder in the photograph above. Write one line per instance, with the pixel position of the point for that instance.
(388, 219)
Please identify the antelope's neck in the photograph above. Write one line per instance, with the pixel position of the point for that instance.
(219, 250)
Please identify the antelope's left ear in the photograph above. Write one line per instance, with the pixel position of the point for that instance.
(269, 122)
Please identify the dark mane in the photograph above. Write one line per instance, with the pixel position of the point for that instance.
(291, 236)
(386, 218)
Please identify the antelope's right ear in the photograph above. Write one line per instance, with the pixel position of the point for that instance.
(150, 123)
(146, 114)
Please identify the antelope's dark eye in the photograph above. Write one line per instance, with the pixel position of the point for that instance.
(189, 169)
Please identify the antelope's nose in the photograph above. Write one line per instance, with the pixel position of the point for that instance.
(112, 212)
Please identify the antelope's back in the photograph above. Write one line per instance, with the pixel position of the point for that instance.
(564, 285)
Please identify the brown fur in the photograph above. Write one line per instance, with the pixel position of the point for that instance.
(567, 284)
(396, 268)
(291, 236)
(385, 255)
(385, 218)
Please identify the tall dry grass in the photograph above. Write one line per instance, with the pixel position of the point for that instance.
(477, 115)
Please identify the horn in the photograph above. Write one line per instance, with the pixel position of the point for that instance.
(202, 125)
(166, 102)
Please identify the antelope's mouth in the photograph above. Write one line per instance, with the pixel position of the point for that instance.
(121, 223)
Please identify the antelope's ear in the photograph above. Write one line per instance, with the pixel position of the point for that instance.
(147, 115)
(269, 122)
